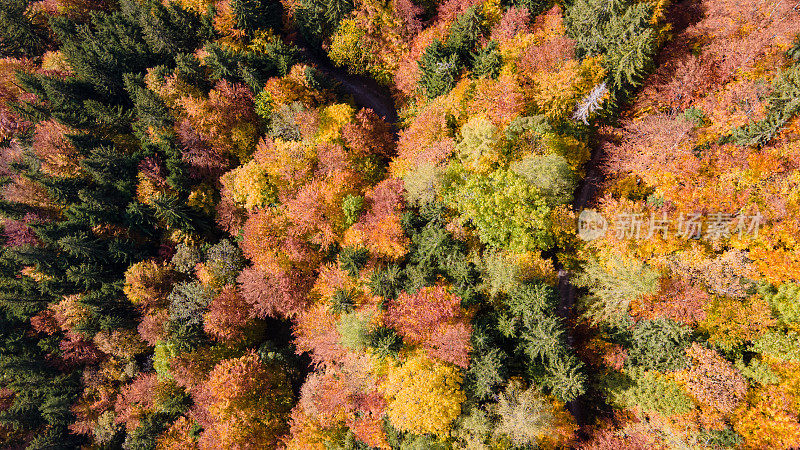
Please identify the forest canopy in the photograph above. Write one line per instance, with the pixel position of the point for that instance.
(359, 224)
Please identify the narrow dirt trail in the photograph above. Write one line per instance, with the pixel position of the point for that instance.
(566, 290)
(366, 92)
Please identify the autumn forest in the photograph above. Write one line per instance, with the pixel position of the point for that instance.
(399, 224)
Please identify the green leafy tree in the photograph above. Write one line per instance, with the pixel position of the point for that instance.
(613, 285)
(353, 327)
(551, 174)
(650, 391)
(352, 206)
(225, 260)
(187, 302)
(186, 257)
(505, 208)
(784, 300)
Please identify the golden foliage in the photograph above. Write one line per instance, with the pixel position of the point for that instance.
(424, 396)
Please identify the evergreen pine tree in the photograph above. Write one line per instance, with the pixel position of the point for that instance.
(19, 36)
(487, 61)
(620, 30)
(252, 15)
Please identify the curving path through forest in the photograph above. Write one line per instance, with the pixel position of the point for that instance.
(365, 91)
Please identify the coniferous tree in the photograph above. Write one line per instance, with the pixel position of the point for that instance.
(169, 29)
(102, 52)
(487, 61)
(19, 35)
(622, 31)
(252, 15)
(463, 34)
(441, 62)
(439, 69)
(317, 19)
(783, 105)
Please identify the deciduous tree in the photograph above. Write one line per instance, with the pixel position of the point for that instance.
(423, 396)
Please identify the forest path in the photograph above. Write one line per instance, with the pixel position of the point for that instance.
(681, 15)
(567, 291)
(365, 91)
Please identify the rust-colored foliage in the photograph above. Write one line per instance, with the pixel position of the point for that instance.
(408, 13)
(151, 328)
(10, 92)
(379, 229)
(714, 381)
(179, 436)
(203, 160)
(451, 343)
(136, 400)
(316, 212)
(18, 232)
(337, 395)
(315, 332)
(433, 317)
(450, 9)
(122, 343)
(515, 21)
(609, 438)
(77, 351)
(56, 152)
(368, 135)
(304, 433)
(229, 216)
(678, 299)
(281, 293)
(270, 242)
(227, 315)
(425, 140)
(414, 315)
(45, 322)
(547, 57)
(226, 119)
(250, 403)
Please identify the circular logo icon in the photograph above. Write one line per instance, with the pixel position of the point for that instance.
(591, 225)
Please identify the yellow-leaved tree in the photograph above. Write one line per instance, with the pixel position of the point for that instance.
(424, 396)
